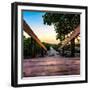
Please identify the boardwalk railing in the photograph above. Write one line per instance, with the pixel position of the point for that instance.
(75, 33)
(34, 38)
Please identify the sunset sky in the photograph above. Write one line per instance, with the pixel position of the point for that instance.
(44, 32)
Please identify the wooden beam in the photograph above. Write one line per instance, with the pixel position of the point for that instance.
(73, 35)
(29, 31)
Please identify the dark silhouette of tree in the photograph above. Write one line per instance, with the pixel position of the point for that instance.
(63, 24)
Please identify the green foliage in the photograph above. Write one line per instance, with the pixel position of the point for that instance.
(63, 23)
(27, 42)
(48, 45)
(32, 49)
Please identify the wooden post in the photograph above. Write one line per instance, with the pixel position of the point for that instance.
(73, 47)
(33, 53)
(63, 51)
(42, 52)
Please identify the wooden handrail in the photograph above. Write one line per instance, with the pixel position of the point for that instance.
(75, 33)
(30, 32)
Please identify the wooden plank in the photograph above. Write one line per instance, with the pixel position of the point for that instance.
(29, 31)
(51, 66)
(73, 35)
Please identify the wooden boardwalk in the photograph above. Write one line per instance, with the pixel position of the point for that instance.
(51, 66)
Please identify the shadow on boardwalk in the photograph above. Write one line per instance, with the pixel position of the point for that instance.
(51, 66)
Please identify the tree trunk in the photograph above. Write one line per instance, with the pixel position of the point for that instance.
(73, 47)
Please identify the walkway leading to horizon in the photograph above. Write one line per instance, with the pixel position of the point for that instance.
(51, 66)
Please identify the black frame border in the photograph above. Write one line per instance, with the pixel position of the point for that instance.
(14, 43)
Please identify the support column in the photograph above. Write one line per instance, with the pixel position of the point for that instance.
(63, 51)
(42, 52)
(73, 47)
(33, 52)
